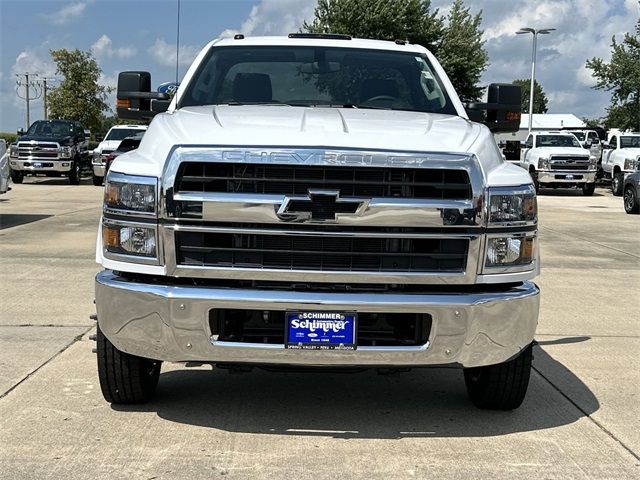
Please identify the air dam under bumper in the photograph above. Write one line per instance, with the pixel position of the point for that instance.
(170, 323)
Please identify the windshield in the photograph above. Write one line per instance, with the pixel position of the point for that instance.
(53, 128)
(121, 133)
(581, 135)
(317, 76)
(557, 141)
(630, 142)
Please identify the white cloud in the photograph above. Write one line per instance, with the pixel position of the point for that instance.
(103, 47)
(275, 17)
(67, 14)
(165, 53)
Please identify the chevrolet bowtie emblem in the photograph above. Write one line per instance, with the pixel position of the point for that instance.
(320, 206)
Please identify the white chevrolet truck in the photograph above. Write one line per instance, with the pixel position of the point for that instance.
(556, 159)
(620, 158)
(317, 201)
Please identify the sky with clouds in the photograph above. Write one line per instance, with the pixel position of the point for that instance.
(141, 35)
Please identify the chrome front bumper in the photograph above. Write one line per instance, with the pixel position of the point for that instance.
(559, 176)
(170, 322)
(53, 165)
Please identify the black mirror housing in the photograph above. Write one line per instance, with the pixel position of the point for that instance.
(134, 98)
(503, 109)
(20, 132)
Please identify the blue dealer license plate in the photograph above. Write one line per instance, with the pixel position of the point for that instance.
(321, 330)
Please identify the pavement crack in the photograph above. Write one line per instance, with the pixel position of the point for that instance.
(593, 420)
(34, 371)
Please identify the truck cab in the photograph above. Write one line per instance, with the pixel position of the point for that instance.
(317, 202)
(620, 158)
(556, 159)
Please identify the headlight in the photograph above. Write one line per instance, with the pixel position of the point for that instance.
(65, 152)
(123, 239)
(543, 164)
(629, 164)
(512, 207)
(130, 195)
(593, 161)
(13, 151)
(510, 251)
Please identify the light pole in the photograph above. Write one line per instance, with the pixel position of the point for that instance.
(535, 33)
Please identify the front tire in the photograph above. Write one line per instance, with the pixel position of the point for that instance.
(75, 172)
(502, 386)
(17, 177)
(617, 181)
(125, 378)
(631, 204)
(97, 181)
(588, 189)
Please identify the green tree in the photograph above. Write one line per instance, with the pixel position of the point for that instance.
(540, 101)
(621, 77)
(409, 20)
(454, 39)
(79, 96)
(461, 51)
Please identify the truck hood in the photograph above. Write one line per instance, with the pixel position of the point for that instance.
(108, 145)
(546, 151)
(281, 125)
(41, 138)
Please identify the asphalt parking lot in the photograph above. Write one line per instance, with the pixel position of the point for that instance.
(581, 418)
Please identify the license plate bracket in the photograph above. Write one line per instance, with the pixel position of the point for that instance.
(312, 330)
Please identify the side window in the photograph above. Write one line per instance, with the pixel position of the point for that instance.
(614, 142)
(529, 142)
(593, 136)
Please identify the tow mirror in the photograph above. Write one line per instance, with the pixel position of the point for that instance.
(20, 132)
(503, 109)
(134, 98)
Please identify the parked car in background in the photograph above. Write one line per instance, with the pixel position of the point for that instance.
(631, 193)
(128, 144)
(109, 145)
(52, 148)
(555, 159)
(5, 174)
(620, 158)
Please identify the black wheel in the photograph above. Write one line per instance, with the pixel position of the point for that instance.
(588, 189)
(502, 386)
(631, 204)
(75, 172)
(97, 181)
(616, 184)
(125, 378)
(17, 177)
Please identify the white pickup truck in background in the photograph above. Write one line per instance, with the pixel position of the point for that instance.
(620, 157)
(555, 159)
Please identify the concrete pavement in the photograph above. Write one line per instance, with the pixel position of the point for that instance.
(579, 420)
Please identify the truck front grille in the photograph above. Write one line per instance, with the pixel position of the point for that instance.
(423, 183)
(268, 326)
(575, 163)
(38, 150)
(320, 253)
